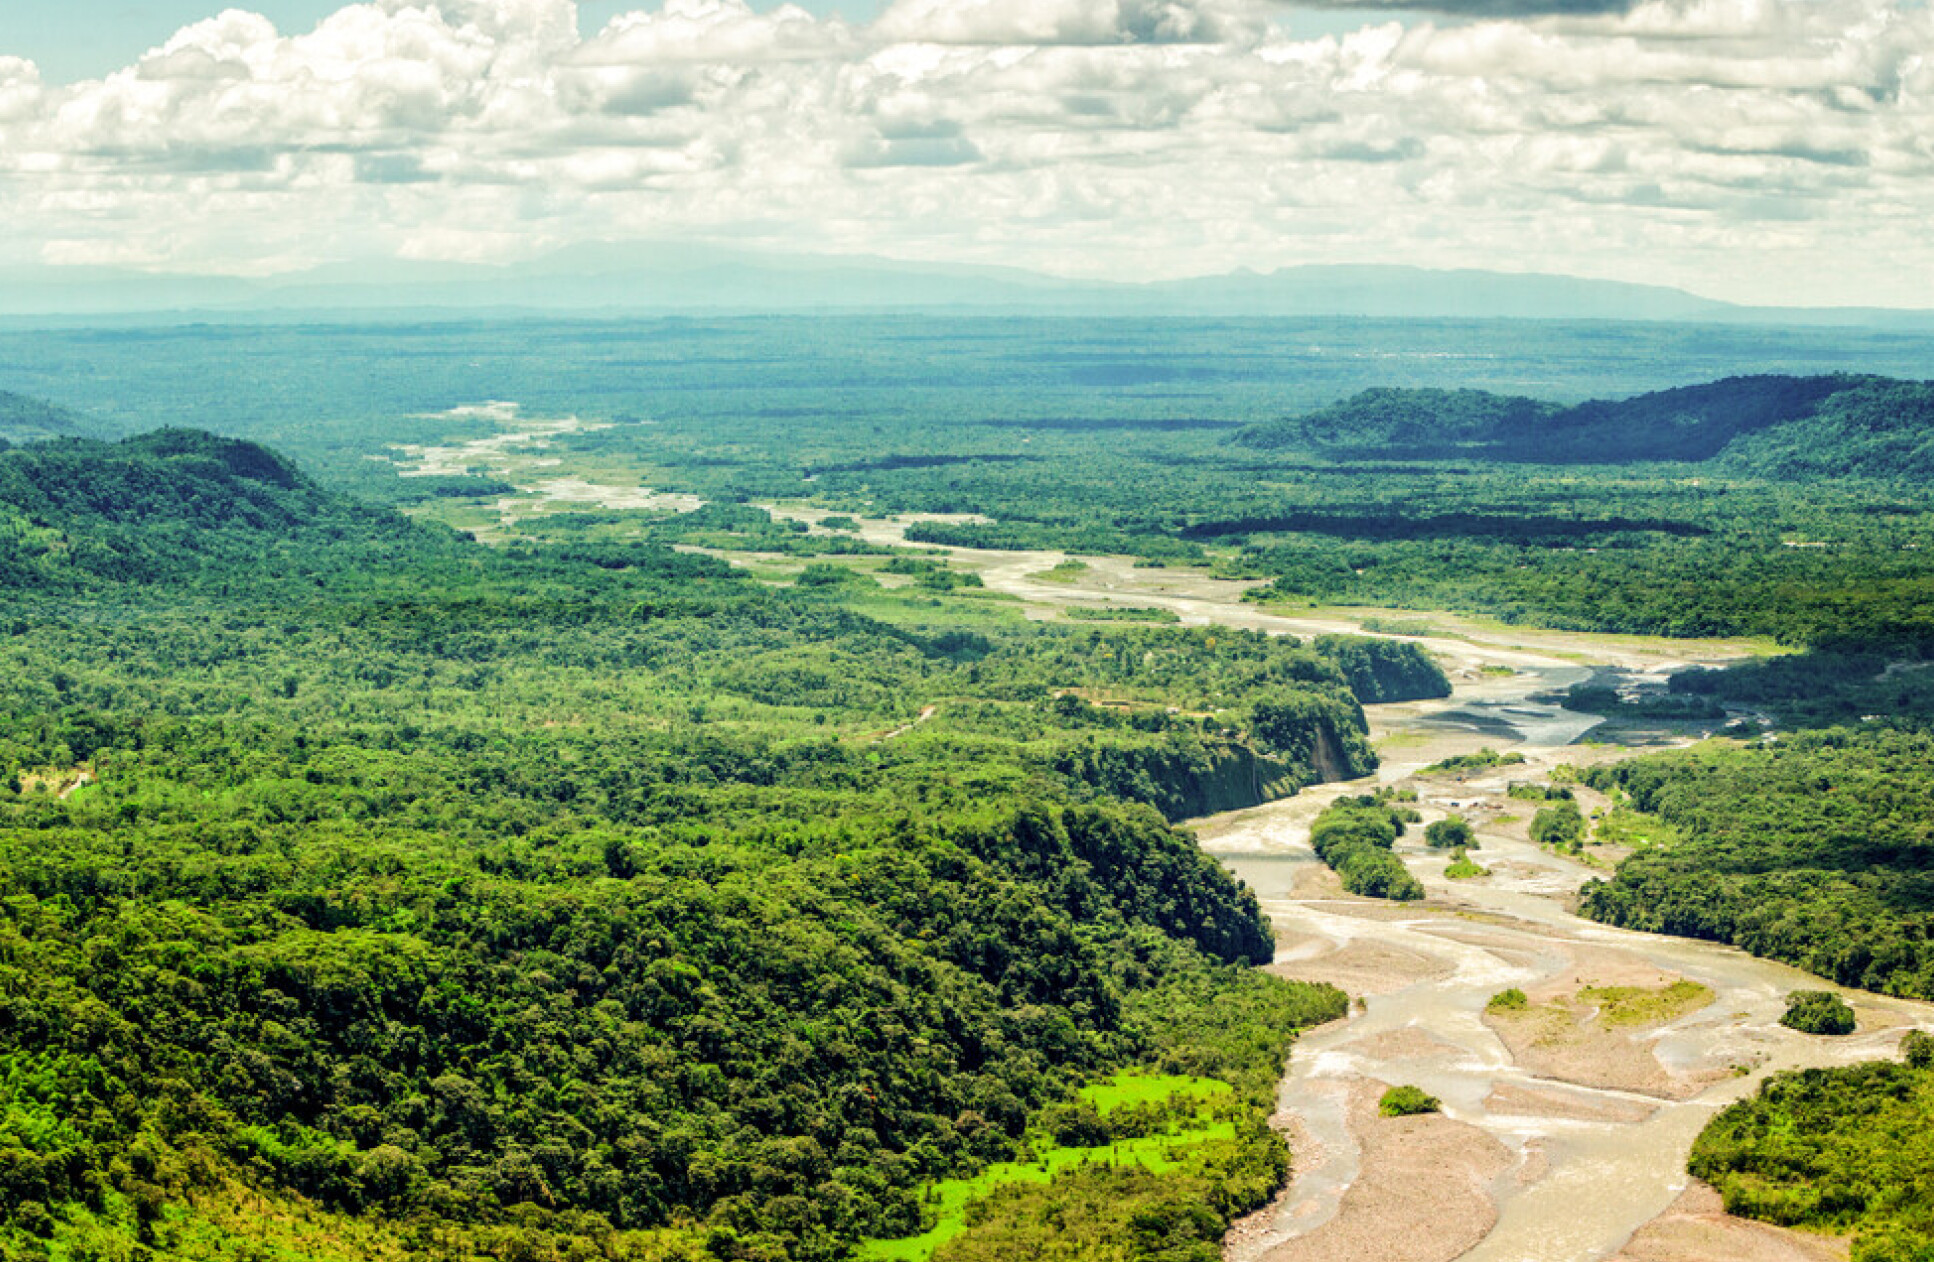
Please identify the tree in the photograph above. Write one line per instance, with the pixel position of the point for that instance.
(1817, 1012)
(1451, 834)
(1560, 825)
(1405, 1101)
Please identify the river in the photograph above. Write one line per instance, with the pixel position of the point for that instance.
(1542, 1153)
(1564, 1141)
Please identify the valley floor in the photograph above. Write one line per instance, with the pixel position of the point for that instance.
(1565, 1126)
(1564, 1133)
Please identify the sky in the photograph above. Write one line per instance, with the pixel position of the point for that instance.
(1764, 151)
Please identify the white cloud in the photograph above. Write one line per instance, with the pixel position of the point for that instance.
(1037, 22)
(1754, 148)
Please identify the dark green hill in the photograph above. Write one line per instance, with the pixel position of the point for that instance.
(175, 505)
(1768, 425)
(1413, 423)
(25, 420)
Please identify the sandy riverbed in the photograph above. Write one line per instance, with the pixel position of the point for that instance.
(1424, 1193)
(1696, 1228)
(1569, 1152)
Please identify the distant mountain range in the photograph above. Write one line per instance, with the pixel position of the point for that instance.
(663, 279)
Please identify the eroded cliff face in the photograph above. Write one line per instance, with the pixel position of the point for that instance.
(1332, 761)
(1214, 775)
(1239, 777)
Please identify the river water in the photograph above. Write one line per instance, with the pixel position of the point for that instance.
(1579, 1185)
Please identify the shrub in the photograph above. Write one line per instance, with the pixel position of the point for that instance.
(1512, 1000)
(1817, 1012)
(1450, 834)
(1407, 1100)
(1560, 825)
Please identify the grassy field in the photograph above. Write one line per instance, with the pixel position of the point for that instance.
(949, 1199)
(1638, 1005)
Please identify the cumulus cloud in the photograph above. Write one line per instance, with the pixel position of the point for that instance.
(1491, 8)
(1755, 148)
(1034, 22)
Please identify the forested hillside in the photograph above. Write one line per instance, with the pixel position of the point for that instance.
(180, 506)
(367, 892)
(1766, 426)
(27, 420)
(1834, 1150)
(1816, 849)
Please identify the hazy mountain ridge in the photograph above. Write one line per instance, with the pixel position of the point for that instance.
(1767, 425)
(617, 277)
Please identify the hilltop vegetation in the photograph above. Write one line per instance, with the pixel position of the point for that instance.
(1770, 426)
(488, 901)
(178, 506)
(1814, 850)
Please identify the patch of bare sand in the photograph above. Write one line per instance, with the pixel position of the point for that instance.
(1316, 881)
(1562, 1035)
(1517, 869)
(1306, 1155)
(1406, 743)
(1291, 944)
(1535, 1164)
(1385, 910)
(1510, 950)
(1366, 968)
(1874, 1014)
(1523, 1100)
(1409, 1043)
(1696, 1228)
(1423, 1193)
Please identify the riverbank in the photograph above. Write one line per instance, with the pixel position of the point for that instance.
(1626, 1045)
(1563, 1137)
(1560, 1142)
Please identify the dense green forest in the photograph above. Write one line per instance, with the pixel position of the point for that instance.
(1813, 848)
(371, 892)
(1116, 437)
(1839, 1150)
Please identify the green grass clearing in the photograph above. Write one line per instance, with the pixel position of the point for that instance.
(1623, 826)
(1122, 1089)
(1065, 572)
(950, 1198)
(1640, 1005)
